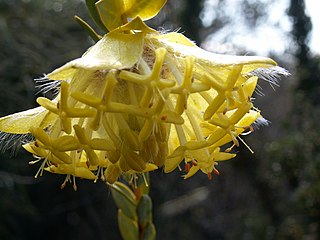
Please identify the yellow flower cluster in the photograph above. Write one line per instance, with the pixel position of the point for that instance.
(138, 100)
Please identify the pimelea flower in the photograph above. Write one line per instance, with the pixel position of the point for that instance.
(138, 100)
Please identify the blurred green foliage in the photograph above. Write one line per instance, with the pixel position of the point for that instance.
(273, 194)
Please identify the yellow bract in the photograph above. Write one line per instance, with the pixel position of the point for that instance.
(138, 100)
(115, 13)
(21, 122)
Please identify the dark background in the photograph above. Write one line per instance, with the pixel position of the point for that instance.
(272, 194)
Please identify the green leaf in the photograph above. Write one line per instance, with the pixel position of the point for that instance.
(121, 187)
(95, 36)
(149, 233)
(94, 14)
(144, 210)
(129, 228)
(124, 199)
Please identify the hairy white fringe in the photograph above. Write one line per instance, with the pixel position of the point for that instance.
(271, 75)
(45, 85)
(13, 141)
(162, 30)
(260, 122)
(259, 91)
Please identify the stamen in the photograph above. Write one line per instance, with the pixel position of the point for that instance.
(161, 95)
(247, 146)
(145, 67)
(174, 70)
(75, 188)
(249, 130)
(41, 168)
(64, 184)
(35, 161)
(234, 138)
(216, 172)
(145, 180)
(230, 148)
(134, 178)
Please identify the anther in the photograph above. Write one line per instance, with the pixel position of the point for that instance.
(163, 118)
(187, 167)
(225, 111)
(75, 188)
(63, 185)
(194, 162)
(216, 172)
(248, 129)
(230, 148)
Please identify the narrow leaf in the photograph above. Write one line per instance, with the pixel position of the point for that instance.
(124, 200)
(91, 5)
(144, 210)
(128, 228)
(149, 233)
(95, 36)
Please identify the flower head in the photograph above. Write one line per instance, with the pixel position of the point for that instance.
(138, 100)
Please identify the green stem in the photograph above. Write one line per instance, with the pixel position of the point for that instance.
(135, 209)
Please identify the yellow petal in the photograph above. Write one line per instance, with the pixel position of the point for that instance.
(135, 25)
(81, 172)
(174, 159)
(21, 122)
(174, 37)
(112, 12)
(145, 9)
(149, 167)
(62, 75)
(222, 156)
(178, 46)
(193, 171)
(65, 143)
(116, 50)
(102, 144)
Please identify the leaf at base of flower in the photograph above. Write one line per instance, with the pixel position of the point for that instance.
(129, 228)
